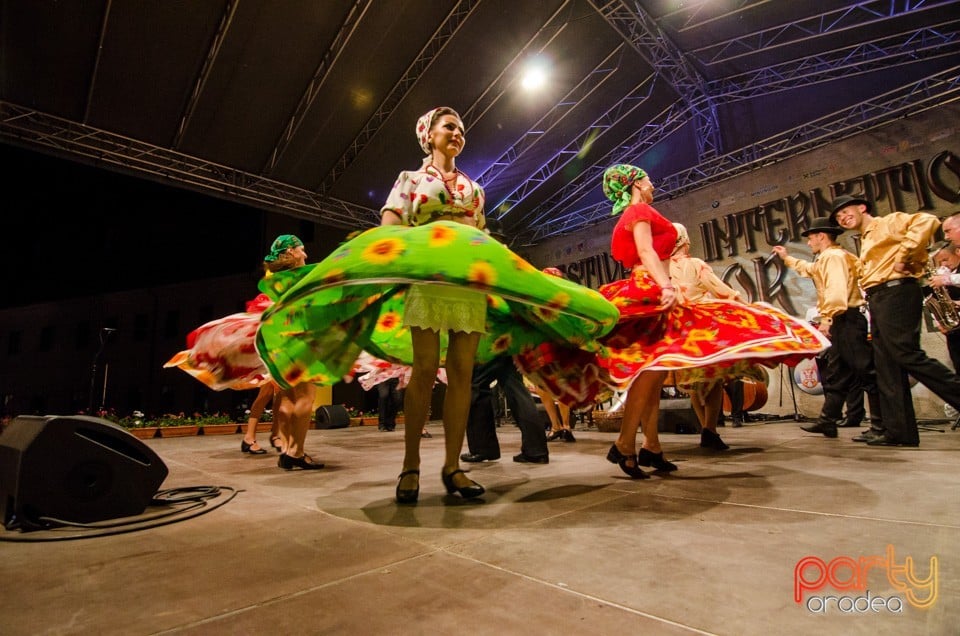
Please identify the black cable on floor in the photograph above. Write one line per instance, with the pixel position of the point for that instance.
(191, 499)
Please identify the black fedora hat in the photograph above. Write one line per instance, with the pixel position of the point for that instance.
(843, 201)
(825, 225)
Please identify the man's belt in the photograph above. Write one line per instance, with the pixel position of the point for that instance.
(870, 291)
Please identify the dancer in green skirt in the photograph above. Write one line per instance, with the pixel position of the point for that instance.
(427, 288)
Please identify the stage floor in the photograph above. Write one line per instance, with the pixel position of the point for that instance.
(571, 547)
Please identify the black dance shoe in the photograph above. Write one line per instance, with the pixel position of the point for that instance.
(467, 492)
(828, 429)
(523, 458)
(476, 458)
(614, 456)
(554, 436)
(408, 496)
(655, 460)
(886, 440)
(248, 448)
(303, 462)
(567, 435)
(866, 436)
(709, 439)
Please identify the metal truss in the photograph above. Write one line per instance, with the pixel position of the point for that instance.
(102, 149)
(928, 43)
(564, 107)
(924, 94)
(445, 32)
(229, 10)
(639, 30)
(615, 114)
(857, 15)
(508, 76)
(356, 13)
(560, 215)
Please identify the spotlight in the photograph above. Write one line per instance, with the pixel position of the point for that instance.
(535, 74)
(715, 204)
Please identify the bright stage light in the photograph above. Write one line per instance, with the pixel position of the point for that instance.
(534, 77)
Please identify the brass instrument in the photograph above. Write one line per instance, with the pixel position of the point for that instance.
(940, 305)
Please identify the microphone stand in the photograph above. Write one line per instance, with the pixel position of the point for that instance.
(104, 336)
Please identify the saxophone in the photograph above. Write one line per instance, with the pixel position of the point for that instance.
(940, 305)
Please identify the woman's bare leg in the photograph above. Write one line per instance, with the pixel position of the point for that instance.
(302, 396)
(264, 397)
(417, 398)
(641, 405)
(650, 411)
(461, 353)
(707, 404)
(551, 408)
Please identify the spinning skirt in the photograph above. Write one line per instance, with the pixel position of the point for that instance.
(702, 341)
(222, 353)
(326, 314)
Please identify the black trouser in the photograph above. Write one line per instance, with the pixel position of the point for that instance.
(734, 389)
(953, 348)
(387, 404)
(847, 369)
(896, 314)
(482, 428)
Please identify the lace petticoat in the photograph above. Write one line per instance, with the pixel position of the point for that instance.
(445, 308)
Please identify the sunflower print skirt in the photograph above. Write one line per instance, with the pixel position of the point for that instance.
(326, 314)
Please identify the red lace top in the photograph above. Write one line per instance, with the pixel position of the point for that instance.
(622, 246)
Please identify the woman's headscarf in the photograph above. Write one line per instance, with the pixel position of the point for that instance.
(423, 129)
(617, 181)
(280, 245)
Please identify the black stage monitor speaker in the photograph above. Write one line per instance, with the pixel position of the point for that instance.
(332, 416)
(73, 468)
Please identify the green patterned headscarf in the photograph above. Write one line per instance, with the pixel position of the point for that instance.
(617, 181)
(282, 243)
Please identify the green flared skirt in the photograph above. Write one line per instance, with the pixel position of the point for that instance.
(325, 315)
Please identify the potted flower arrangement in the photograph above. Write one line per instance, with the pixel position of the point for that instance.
(359, 418)
(178, 425)
(217, 425)
(138, 426)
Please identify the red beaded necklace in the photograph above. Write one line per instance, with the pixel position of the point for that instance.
(448, 182)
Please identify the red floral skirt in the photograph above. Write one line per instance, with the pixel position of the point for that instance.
(716, 337)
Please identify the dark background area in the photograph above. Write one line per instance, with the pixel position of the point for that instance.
(73, 230)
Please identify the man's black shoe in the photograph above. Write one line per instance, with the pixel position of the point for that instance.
(868, 435)
(829, 430)
(523, 458)
(845, 424)
(885, 440)
(474, 458)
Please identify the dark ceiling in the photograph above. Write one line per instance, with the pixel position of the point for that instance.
(307, 107)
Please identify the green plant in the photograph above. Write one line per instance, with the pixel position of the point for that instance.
(213, 419)
(134, 421)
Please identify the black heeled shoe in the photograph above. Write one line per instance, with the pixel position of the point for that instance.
(567, 435)
(710, 439)
(248, 448)
(614, 456)
(275, 442)
(467, 492)
(408, 496)
(554, 436)
(655, 460)
(287, 462)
